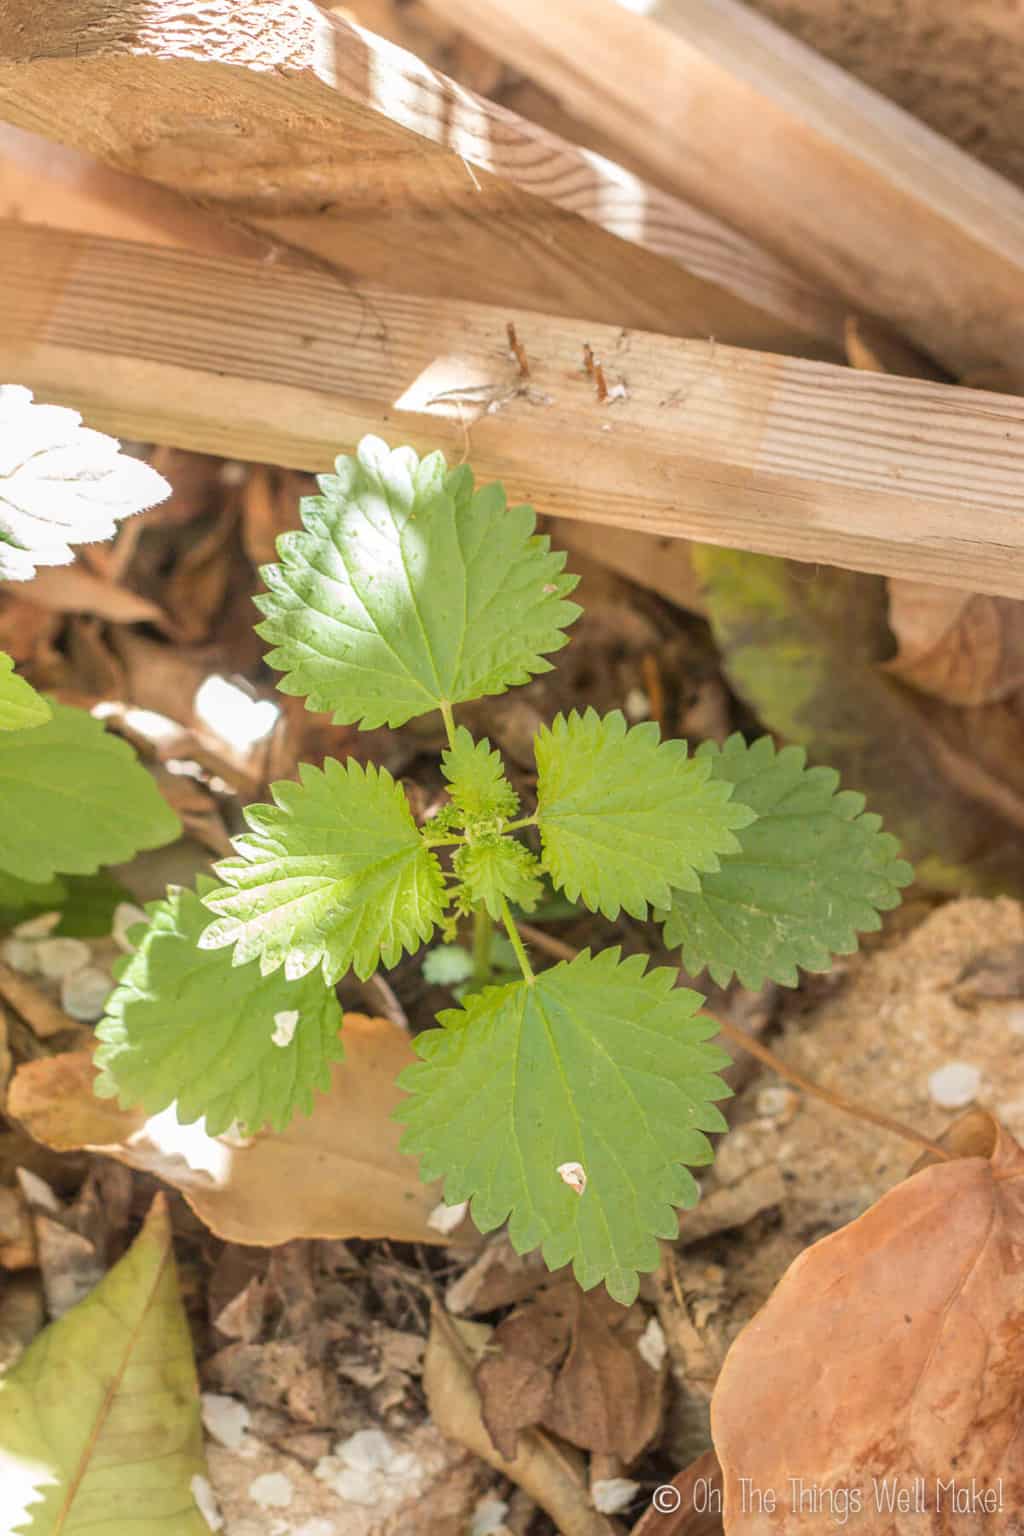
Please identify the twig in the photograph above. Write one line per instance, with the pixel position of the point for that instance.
(518, 351)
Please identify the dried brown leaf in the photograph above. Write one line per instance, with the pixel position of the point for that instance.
(335, 1173)
(74, 589)
(568, 1360)
(966, 648)
(195, 592)
(552, 1475)
(696, 1512)
(889, 1362)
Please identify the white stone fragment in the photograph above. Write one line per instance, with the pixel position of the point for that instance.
(271, 1490)
(20, 955)
(488, 1516)
(776, 1101)
(37, 927)
(651, 1346)
(285, 1024)
(206, 1503)
(83, 994)
(610, 1494)
(574, 1175)
(955, 1085)
(366, 1469)
(126, 915)
(445, 1218)
(225, 1418)
(62, 957)
(637, 705)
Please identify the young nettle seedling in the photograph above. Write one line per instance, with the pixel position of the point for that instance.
(572, 1101)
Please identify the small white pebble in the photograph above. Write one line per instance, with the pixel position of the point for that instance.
(445, 1218)
(20, 955)
(232, 473)
(272, 1490)
(206, 1503)
(573, 1174)
(83, 994)
(225, 1418)
(488, 1516)
(316, 1527)
(126, 915)
(62, 957)
(617, 392)
(651, 1346)
(776, 1102)
(955, 1085)
(37, 927)
(610, 1494)
(637, 705)
(284, 1026)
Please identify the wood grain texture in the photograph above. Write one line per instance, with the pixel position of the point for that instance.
(745, 449)
(301, 125)
(729, 111)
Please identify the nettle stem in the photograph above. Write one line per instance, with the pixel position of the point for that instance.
(449, 721)
(483, 932)
(516, 941)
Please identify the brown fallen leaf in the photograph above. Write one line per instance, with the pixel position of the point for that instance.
(196, 589)
(38, 1010)
(74, 589)
(966, 648)
(692, 1508)
(569, 1360)
(553, 1475)
(335, 1173)
(875, 348)
(887, 1367)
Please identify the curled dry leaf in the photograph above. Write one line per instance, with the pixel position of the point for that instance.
(966, 648)
(886, 1371)
(74, 589)
(553, 1475)
(688, 1506)
(336, 1173)
(569, 1361)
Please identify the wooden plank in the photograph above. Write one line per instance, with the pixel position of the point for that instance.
(731, 112)
(296, 123)
(751, 450)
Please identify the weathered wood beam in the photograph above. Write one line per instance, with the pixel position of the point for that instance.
(745, 449)
(731, 112)
(298, 124)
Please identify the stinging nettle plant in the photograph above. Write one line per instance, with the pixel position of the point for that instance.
(573, 1101)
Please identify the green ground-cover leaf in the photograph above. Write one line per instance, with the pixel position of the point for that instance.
(334, 874)
(20, 706)
(595, 1063)
(99, 1419)
(226, 1043)
(624, 817)
(408, 589)
(22, 899)
(73, 797)
(476, 774)
(812, 872)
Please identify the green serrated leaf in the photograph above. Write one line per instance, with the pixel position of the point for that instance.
(224, 1042)
(595, 1063)
(89, 903)
(20, 706)
(334, 874)
(811, 873)
(492, 870)
(407, 590)
(73, 797)
(476, 773)
(447, 965)
(625, 817)
(99, 1419)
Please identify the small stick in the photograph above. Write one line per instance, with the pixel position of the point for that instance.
(602, 383)
(518, 351)
(588, 359)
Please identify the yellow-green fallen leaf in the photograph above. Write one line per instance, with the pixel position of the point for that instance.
(99, 1420)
